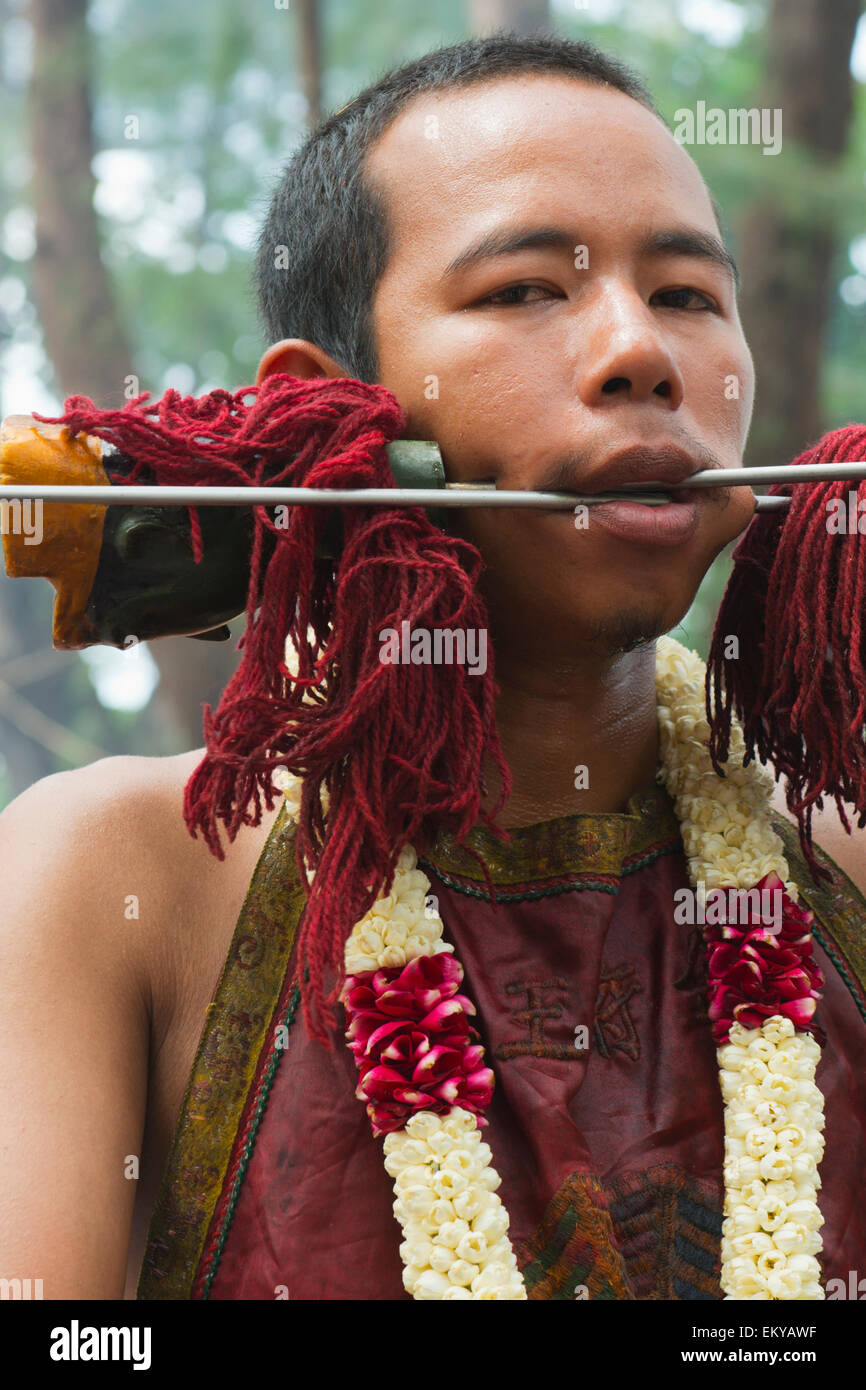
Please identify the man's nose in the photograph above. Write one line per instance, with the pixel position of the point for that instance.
(623, 352)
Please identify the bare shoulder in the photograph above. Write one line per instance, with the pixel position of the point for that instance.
(75, 1013)
(107, 798)
(113, 922)
(95, 827)
(109, 842)
(828, 832)
(102, 832)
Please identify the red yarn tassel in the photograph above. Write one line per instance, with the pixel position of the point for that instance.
(400, 749)
(795, 602)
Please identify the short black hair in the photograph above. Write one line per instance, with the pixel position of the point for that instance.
(325, 241)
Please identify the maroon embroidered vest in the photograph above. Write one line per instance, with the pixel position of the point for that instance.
(606, 1124)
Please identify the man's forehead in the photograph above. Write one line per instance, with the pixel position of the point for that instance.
(453, 154)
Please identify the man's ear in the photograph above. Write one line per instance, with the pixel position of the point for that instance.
(297, 358)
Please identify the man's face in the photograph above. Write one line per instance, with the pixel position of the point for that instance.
(532, 367)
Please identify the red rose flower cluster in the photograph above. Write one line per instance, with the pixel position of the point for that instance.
(756, 971)
(409, 1030)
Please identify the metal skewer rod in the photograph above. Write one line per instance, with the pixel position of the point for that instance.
(452, 495)
(777, 473)
(391, 497)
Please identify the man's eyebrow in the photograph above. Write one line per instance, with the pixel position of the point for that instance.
(686, 241)
(505, 243)
(678, 241)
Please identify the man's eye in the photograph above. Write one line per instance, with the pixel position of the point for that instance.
(678, 299)
(514, 294)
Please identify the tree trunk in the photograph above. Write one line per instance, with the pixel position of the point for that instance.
(523, 16)
(191, 675)
(310, 59)
(787, 257)
(86, 341)
(83, 334)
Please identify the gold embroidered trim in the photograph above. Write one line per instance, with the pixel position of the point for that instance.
(588, 843)
(837, 903)
(235, 1031)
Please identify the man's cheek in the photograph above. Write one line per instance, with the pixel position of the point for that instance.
(725, 524)
(738, 513)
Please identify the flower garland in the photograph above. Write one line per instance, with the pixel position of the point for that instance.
(423, 1078)
(763, 988)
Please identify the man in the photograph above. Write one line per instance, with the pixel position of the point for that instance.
(526, 257)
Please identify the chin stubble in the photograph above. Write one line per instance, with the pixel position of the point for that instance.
(626, 631)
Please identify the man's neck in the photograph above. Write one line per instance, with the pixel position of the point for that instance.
(577, 738)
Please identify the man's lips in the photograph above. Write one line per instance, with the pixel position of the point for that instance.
(641, 468)
(672, 523)
(661, 468)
